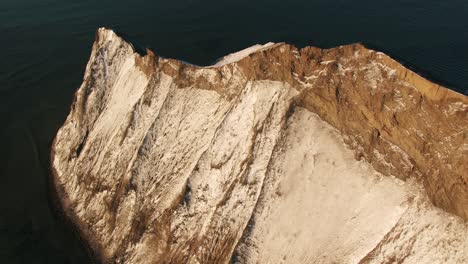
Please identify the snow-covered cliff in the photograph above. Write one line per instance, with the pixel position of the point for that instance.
(273, 155)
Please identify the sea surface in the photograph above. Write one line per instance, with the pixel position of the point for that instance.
(45, 44)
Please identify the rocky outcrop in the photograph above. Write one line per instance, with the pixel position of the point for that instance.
(273, 154)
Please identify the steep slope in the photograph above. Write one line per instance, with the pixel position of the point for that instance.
(164, 162)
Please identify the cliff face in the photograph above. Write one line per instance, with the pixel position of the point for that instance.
(273, 154)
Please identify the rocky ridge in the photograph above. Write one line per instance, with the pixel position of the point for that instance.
(165, 162)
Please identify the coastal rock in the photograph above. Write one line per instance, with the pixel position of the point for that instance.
(272, 155)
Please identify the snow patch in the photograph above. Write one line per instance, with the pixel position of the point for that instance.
(237, 56)
(327, 62)
(455, 107)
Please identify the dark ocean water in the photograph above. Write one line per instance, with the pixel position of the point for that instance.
(44, 47)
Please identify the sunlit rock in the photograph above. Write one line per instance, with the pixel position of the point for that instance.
(272, 155)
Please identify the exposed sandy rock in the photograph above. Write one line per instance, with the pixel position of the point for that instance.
(273, 155)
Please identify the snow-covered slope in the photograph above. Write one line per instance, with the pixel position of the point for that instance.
(320, 205)
(273, 155)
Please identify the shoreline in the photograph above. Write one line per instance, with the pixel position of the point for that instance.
(57, 199)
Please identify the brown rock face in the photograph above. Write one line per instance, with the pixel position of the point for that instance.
(384, 110)
(165, 162)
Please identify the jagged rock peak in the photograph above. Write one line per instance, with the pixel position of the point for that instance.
(273, 154)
